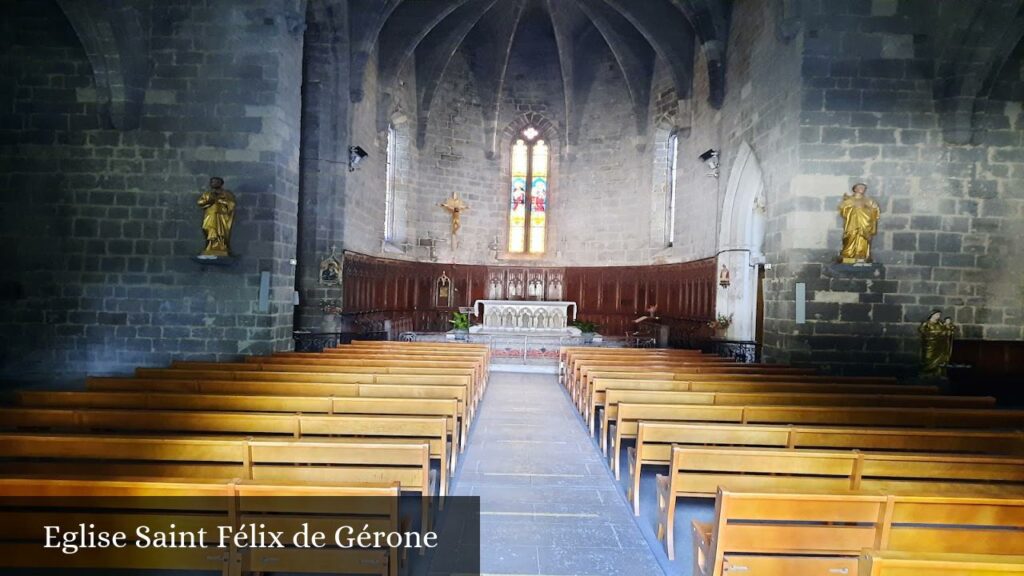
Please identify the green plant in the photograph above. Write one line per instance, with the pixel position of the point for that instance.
(586, 327)
(459, 321)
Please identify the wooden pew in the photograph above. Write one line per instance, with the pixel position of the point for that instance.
(372, 385)
(590, 375)
(701, 472)
(572, 362)
(713, 374)
(614, 397)
(752, 384)
(308, 372)
(824, 533)
(351, 375)
(580, 386)
(195, 503)
(883, 563)
(327, 428)
(396, 390)
(569, 356)
(578, 382)
(630, 415)
(293, 462)
(369, 359)
(424, 345)
(655, 441)
(251, 403)
(483, 350)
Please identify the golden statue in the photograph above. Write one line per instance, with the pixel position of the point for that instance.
(456, 206)
(218, 206)
(860, 215)
(936, 344)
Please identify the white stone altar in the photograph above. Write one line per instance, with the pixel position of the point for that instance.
(525, 317)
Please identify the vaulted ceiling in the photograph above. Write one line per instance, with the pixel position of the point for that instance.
(426, 34)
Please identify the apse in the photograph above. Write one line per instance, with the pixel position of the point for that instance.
(425, 35)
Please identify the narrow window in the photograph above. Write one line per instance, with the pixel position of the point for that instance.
(527, 223)
(670, 204)
(389, 187)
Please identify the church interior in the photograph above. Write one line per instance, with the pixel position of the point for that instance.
(577, 287)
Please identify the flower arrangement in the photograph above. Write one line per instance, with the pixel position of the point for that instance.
(720, 323)
(328, 306)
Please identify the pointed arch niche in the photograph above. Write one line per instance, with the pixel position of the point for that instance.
(741, 245)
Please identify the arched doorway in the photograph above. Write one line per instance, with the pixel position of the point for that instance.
(740, 248)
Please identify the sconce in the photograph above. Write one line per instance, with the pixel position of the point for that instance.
(723, 277)
(355, 156)
(711, 159)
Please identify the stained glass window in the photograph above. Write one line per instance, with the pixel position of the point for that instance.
(529, 195)
(517, 214)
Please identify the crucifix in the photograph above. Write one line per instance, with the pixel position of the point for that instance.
(456, 206)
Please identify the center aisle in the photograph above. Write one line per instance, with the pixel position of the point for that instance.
(548, 500)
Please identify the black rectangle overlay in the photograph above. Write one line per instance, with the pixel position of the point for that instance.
(235, 535)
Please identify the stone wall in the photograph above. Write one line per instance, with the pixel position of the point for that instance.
(951, 214)
(605, 168)
(100, 224)
(452, 159)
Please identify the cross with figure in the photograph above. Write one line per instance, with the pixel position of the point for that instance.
(456, 206)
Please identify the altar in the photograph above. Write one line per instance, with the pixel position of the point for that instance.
(525, 317)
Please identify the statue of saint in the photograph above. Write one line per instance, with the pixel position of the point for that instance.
(218, 206)
(860, 222)
(936, 344)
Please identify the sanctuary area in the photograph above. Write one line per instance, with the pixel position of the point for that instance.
(512, 287)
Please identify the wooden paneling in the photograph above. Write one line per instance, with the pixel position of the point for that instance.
(990, 367)
(610, 296)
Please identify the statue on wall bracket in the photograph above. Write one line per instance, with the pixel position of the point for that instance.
(936, 344)
(860, 224)
(218, 204)
(330, 269)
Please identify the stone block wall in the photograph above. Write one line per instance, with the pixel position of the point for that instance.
(599, 211)
(100, 224)
(453, 159)
(952, 215)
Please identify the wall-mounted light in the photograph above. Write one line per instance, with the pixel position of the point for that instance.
(355, 156)
(710, 158)
(723, 277)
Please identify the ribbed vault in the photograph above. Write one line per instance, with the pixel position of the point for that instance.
(424, 35)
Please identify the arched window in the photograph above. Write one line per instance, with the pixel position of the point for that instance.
(528, 199)
(389, 186)
(670, 204)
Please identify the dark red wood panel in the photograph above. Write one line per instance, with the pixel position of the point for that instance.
(611, 296)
